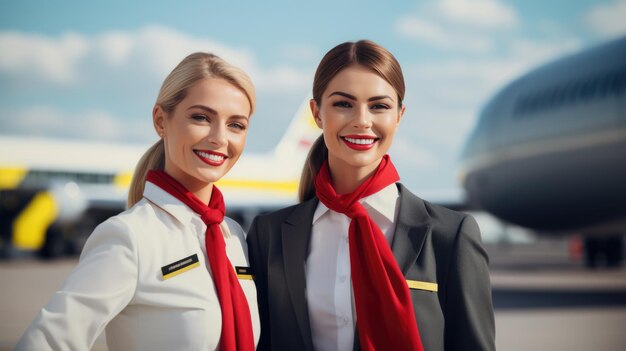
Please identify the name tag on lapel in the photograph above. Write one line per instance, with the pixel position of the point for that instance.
(180, 266)
(244, 273)
(418, 285)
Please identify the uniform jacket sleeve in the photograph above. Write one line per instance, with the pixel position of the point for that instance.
(470, 323)
(101, 285)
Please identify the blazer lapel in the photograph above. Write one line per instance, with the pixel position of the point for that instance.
(412, 228)
(296, 234)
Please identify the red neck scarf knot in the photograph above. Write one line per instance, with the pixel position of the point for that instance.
(353, 210)
(349, 204)
(212, 216)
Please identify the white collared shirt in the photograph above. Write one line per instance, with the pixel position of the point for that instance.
(119, 285)
(328, 278)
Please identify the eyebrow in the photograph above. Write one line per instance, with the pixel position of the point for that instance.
(352, 97)
(213, 112)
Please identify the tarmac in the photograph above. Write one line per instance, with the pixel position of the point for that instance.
(544, 298)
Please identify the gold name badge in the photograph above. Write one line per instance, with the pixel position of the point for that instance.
(180, 266)
(418, 285)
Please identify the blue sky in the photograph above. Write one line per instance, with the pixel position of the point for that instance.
(91, 70)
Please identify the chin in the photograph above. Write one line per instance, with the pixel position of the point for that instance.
(210, 176)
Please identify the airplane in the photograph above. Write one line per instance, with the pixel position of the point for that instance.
(548, 151)
(53, 193)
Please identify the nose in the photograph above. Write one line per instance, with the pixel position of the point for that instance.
(362, 117)
(217, 134)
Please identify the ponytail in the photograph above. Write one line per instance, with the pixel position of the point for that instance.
(154, 158)
(317, 156)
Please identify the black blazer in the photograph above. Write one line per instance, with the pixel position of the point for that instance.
(431, 244)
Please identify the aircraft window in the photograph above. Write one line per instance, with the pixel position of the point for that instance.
(40, 178)
(612, 83)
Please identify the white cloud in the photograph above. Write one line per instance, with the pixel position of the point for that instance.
(150, 52)
(458, 24)
(441, 36)
(445, 97)
(478, 13)
(50, 121)
(53, 59)
(163, 48)
(115, 47)
(608, 19)
(112, 78)
(529, 53)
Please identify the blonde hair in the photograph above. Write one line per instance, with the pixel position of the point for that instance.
(188, 72)
(363, 53)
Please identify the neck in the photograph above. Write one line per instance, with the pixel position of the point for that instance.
(201, 190)
(347, 178)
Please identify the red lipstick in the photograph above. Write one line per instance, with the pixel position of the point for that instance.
(359, 142)
(212, 158)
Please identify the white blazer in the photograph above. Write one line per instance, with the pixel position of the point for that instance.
(119, 284)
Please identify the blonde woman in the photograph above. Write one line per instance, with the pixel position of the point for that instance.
(162, 274)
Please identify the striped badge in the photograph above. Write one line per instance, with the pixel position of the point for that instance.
(244, 272)
(180, 266)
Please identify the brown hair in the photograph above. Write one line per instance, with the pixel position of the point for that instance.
(187, 73)
(363, 53)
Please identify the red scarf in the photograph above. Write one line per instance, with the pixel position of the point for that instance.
(236, 321)
(384, 309)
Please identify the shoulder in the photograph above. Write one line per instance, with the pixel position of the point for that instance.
(294, 212)
(124, 226)
(444, 214)
(267, 227)
(445, 223)
(120, 234)
(433, 212)
(142, 214)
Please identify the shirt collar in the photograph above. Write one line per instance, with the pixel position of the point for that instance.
(167, 202)
(384, 202)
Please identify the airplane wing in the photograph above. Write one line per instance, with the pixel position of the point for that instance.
(52, 190)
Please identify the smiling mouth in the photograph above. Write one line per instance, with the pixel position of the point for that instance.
(211, 158)
(359, 143)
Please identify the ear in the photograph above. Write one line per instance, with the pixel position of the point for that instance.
(159, 120)
(401, 112)
(316, 113)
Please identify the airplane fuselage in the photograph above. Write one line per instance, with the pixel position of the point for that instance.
(549, 150)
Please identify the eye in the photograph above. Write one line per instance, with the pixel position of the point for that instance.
(238, 125)
(200, 118)
(380, 107)
(342, 104)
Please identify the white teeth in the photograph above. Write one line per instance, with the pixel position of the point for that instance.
(212, 157)
(360, 141)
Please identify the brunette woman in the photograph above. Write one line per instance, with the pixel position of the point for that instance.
(361, 262)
